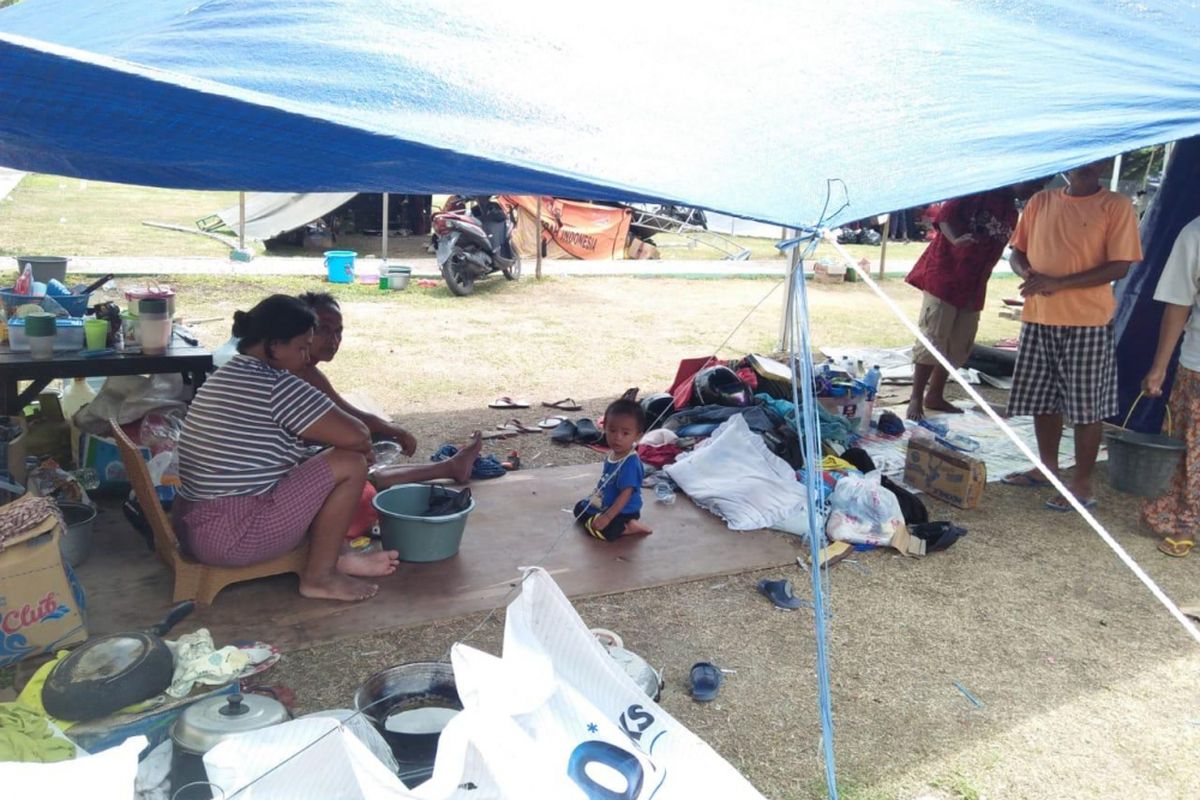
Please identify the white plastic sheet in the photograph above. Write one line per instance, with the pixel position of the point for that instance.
(735, 476)
(105, 776)
(555, 717)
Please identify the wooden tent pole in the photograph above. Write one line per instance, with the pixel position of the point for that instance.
(887, 229)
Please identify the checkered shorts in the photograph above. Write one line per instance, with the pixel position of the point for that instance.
(250, 529)
(1065, 370)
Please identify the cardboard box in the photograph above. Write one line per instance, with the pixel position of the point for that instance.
(641, 250)
(42, 605)
(825, 271)
(946, 474)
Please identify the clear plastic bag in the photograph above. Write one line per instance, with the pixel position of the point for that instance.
(863, 512)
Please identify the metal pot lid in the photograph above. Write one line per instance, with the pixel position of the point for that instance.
(212, 720)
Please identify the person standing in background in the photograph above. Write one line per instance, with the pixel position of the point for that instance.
(953, 273)
(1069, 246)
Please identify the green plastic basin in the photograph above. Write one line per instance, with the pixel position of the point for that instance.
(414, 537)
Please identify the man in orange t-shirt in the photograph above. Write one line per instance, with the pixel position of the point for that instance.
(1069, 246)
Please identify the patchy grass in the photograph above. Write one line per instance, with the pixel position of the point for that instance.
(426, 348)
(49, 215)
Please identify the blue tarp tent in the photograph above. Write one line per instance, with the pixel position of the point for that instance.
(1138, 315)
(747, 108)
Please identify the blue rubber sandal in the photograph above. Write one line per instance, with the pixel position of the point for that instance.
(1060, 504)
(706, 681)
(780, 593)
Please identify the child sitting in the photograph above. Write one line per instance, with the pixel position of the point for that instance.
(614, 508)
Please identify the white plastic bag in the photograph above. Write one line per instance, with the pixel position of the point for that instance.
(555, 717)
(863, 512)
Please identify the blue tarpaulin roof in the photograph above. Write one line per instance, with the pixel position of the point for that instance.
(748, 108)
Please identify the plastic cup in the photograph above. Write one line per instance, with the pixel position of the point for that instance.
(95, 333)
(41, 347)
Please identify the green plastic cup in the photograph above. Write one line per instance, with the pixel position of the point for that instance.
(95, 333)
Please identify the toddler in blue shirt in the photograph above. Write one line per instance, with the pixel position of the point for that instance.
(614, 508)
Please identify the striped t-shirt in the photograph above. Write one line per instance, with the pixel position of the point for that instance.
(242, 432)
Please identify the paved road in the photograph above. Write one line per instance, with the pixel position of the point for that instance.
(9, 178)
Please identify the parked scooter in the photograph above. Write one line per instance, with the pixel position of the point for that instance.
(475, 240)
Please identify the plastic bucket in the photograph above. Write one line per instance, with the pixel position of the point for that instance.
(409, 704)
(1142, 464)
(339, 265)
(77, 542)
(44, 268)
(414, 537)
(398, 278)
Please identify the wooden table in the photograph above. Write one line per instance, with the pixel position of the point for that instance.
(193, 363)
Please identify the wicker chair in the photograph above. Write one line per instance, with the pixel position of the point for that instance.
(193, 580)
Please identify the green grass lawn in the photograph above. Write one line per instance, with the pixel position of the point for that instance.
(49, 215)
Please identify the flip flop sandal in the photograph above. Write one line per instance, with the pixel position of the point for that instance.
(566, 404)
(551, 422)
(1171, 547)
(586, 432)
(1024, 480)
(564, 432)
(508, 402)
(780, 593)
(937, 535)
(504, 432)
(1061, 505)
(520, 427)
(706, 681)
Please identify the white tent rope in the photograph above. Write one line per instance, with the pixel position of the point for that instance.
(865, 276)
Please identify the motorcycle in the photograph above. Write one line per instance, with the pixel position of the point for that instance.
(474, 239)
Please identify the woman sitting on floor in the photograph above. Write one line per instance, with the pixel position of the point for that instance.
(252, 487)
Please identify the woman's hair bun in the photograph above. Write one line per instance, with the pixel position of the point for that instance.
(243, 325)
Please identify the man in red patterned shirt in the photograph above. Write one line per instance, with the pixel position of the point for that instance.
(953, 272)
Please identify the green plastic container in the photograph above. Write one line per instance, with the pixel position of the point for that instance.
(414, 537)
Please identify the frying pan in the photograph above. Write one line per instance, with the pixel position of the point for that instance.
(107, 673)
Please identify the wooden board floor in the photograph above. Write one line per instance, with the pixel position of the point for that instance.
(517, 520)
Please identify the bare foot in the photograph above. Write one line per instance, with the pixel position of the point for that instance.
(941, 404)
(916, 412)
(462, 462)
(369, 565)
(636, 528)
(336, 586)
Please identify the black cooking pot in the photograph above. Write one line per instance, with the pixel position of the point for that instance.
(205, 724)
(424, 692)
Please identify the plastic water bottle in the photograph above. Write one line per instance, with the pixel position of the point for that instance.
(872, 381)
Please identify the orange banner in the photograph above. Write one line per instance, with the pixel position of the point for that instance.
(569, 229)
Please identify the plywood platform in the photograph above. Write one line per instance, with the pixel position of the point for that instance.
(521, 519)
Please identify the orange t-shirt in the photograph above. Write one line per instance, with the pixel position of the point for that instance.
(1064, 235)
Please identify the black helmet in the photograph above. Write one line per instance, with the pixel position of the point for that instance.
(657, 407)
(721, 386)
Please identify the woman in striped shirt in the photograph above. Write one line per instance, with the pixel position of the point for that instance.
(253, 485)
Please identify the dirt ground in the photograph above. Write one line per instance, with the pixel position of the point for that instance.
(1088, 688)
